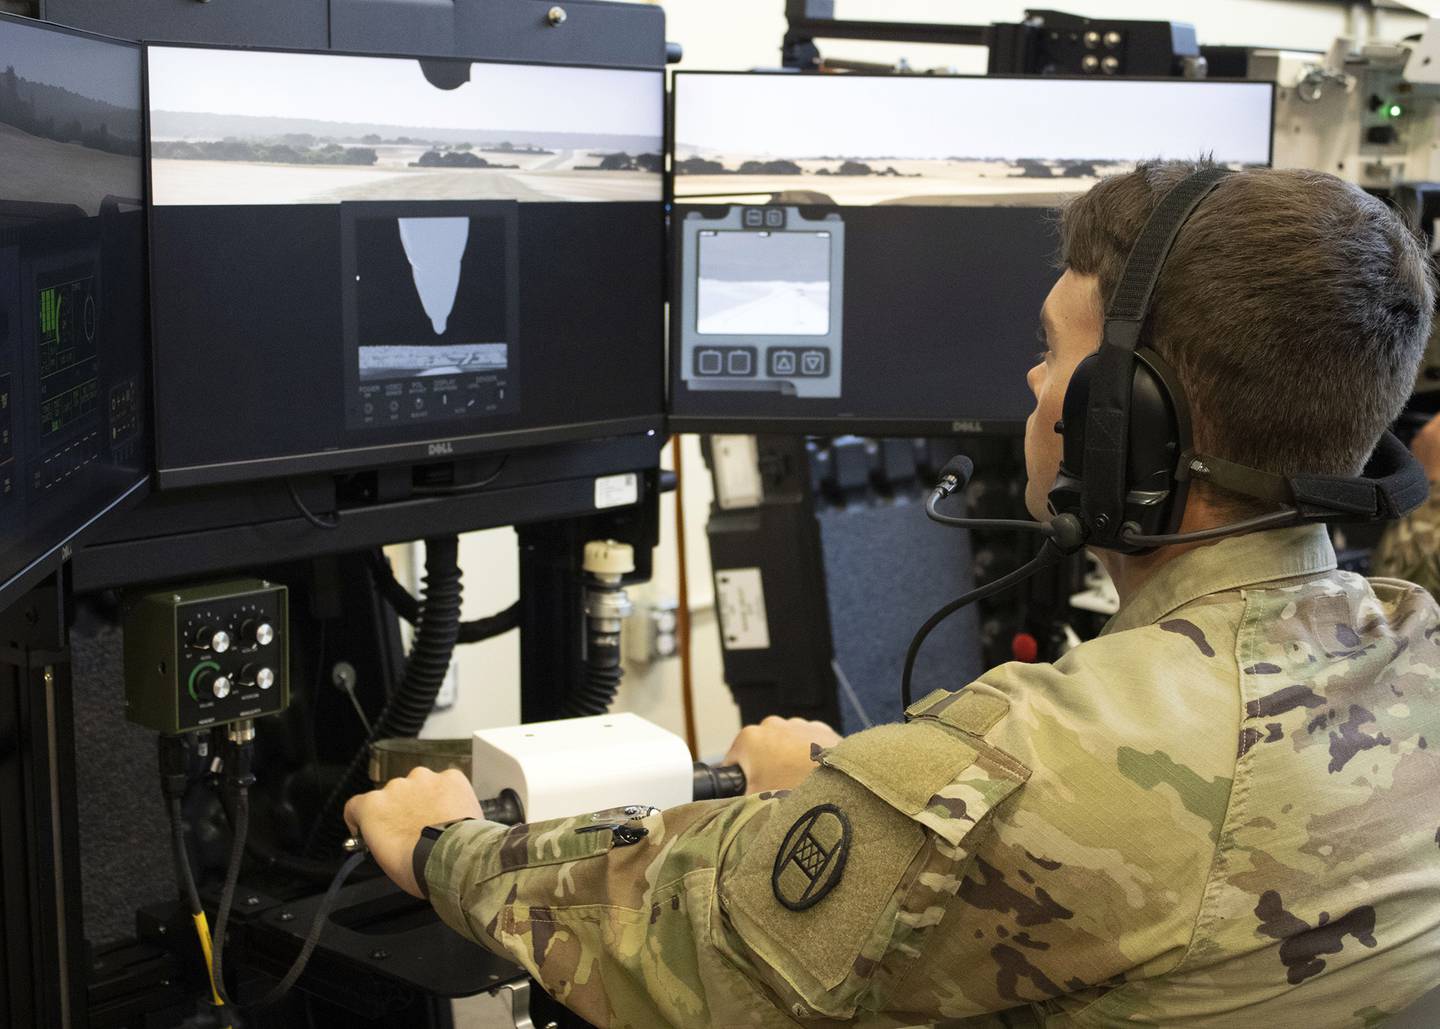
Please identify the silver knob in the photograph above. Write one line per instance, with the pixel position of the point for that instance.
(220, 687)
(264, 678)
(260, 634)
(217, 640)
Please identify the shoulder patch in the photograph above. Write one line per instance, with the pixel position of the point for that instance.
(811, 858)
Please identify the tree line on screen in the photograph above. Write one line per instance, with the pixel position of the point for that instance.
(52, 112)
(304, 148)
(266, 153)
(1029, 167)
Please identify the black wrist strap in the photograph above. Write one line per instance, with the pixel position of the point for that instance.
(420, 857)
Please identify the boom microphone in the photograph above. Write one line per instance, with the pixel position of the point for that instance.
(1064, 531)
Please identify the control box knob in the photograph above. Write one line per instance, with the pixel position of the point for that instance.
(220, 687)
(257, 675)
(212, 639)
(257, 632)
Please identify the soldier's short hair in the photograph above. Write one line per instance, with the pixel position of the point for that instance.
(1294, 308)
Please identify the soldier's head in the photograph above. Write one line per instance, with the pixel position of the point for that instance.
(1294, 309)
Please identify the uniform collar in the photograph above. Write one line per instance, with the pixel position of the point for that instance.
(1227, 565)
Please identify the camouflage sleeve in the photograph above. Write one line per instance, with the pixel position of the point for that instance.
(809, 906)
(623, 933)
(1410, 549)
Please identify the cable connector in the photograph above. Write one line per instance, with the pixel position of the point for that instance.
(239, 751)
(174, 754)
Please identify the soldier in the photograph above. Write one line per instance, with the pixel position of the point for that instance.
(1411, 549)
(1224, 811)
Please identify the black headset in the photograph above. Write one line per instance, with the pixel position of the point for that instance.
(1128, 457)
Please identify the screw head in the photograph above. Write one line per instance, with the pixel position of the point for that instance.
(1092, 40)
(1111, 64)
(1112, 39)
(379, 954)
(287, 916)
(1090, 62)
(251, 901)
(556, 15)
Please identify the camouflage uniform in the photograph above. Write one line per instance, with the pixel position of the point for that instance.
(1222, 812)
(1410, 549)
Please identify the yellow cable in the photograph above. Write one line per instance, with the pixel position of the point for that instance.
(202, 929)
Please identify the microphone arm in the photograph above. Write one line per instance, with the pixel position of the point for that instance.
(933, 513)
(1050, 553)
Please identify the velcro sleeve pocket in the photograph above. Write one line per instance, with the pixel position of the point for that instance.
(915, 797)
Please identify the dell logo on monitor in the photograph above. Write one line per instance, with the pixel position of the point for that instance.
(443, 449)
(966, 425)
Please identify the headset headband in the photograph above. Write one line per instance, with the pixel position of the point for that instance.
(1394, 483)
(1107, 423)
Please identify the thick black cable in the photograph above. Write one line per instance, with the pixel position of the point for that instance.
(490, 627)
(312, 938)
(239, 828)
(405, 712)
(408, 608)
(182, 859)
(1049, 554)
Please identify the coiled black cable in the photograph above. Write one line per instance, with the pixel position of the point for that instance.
(408, 608)
(437, 630)
(596, 693)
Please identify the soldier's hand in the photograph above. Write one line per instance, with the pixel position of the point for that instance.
(390, 819)
(776, 753)
(1426, 448)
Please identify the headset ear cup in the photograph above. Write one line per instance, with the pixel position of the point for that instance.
(1159, 436)
(1159, 433)
(1064, 494)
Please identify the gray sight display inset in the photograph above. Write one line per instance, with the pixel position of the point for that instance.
(761, 298)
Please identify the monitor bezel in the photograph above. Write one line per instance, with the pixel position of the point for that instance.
(832, 425)
(441, 446)
(52, 557)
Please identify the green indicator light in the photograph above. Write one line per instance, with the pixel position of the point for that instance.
(1394, 110)
(195, 674)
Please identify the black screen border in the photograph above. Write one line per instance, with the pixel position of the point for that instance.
(440, 446)
(51, 557)
(835, 425)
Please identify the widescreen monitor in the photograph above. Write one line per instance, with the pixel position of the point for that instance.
(861, 253)
(360, 261)
(73, 437)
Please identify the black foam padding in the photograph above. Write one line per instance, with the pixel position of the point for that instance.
(887, 569)
(125, 860)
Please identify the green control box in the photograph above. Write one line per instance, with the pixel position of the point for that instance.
(200, 656)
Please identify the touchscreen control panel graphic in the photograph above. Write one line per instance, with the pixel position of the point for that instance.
(761, 300)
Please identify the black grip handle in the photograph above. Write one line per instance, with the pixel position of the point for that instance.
(715, 781)
(711, 783)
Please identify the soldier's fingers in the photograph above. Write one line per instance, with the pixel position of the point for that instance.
(352, 812)
(420, 772)
(774, 720)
